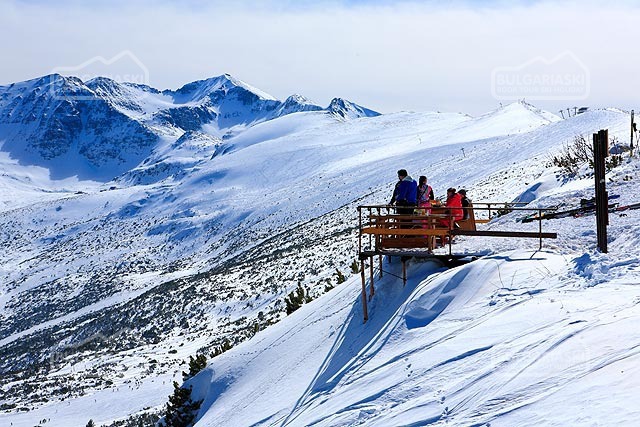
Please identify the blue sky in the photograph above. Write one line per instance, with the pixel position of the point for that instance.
(385, 55)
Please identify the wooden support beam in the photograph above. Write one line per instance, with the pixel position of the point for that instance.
(364, 293)
(540, 228)
(385, 231)
(404, 242)
(489, 233)
(456, 232)
(404, 271)
(371, 288)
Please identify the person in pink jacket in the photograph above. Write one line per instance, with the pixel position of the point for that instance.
(425, 195)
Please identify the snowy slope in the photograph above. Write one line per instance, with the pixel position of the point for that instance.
(517, 338)
(188, 248)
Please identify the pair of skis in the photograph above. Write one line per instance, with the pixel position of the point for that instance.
(627, 207)
(587, 206)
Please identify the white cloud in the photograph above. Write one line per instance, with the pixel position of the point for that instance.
(384, 56)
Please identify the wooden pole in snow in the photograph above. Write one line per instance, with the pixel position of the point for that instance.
(371, 288)
(600, 151)
(404, 271)
(364, 292)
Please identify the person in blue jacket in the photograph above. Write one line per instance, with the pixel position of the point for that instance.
(405, 193)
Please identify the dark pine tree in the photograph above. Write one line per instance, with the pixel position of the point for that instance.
(181, 410)
(196, 365)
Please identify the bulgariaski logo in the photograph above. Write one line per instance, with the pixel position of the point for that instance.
(564, 77)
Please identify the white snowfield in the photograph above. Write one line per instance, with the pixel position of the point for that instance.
(519, 337)
(513, 339)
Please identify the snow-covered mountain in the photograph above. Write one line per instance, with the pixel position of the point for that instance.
(349, 110)
(107, 287)
(101, 128)
(58, 122)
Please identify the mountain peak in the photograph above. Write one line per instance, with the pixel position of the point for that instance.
(523, 108)
(296, 103)
(100, 84)
(299, 99)
(201, 89)
(53, 80)
(101, 80)
(349, 110)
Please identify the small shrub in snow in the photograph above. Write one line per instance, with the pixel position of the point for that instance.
(573, 155)
(612, 161)
(146, 419)
(328, 287)
(578, 153)
(225, 346)
(296, 298)
(196, 365)
(355, 267)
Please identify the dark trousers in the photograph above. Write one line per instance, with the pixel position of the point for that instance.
(404, 208)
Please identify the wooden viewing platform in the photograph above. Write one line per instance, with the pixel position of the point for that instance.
(382, 231)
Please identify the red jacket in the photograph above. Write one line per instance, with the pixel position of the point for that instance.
(454, 203)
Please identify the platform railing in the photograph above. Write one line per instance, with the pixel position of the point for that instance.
(382, 226)
(376, 221)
